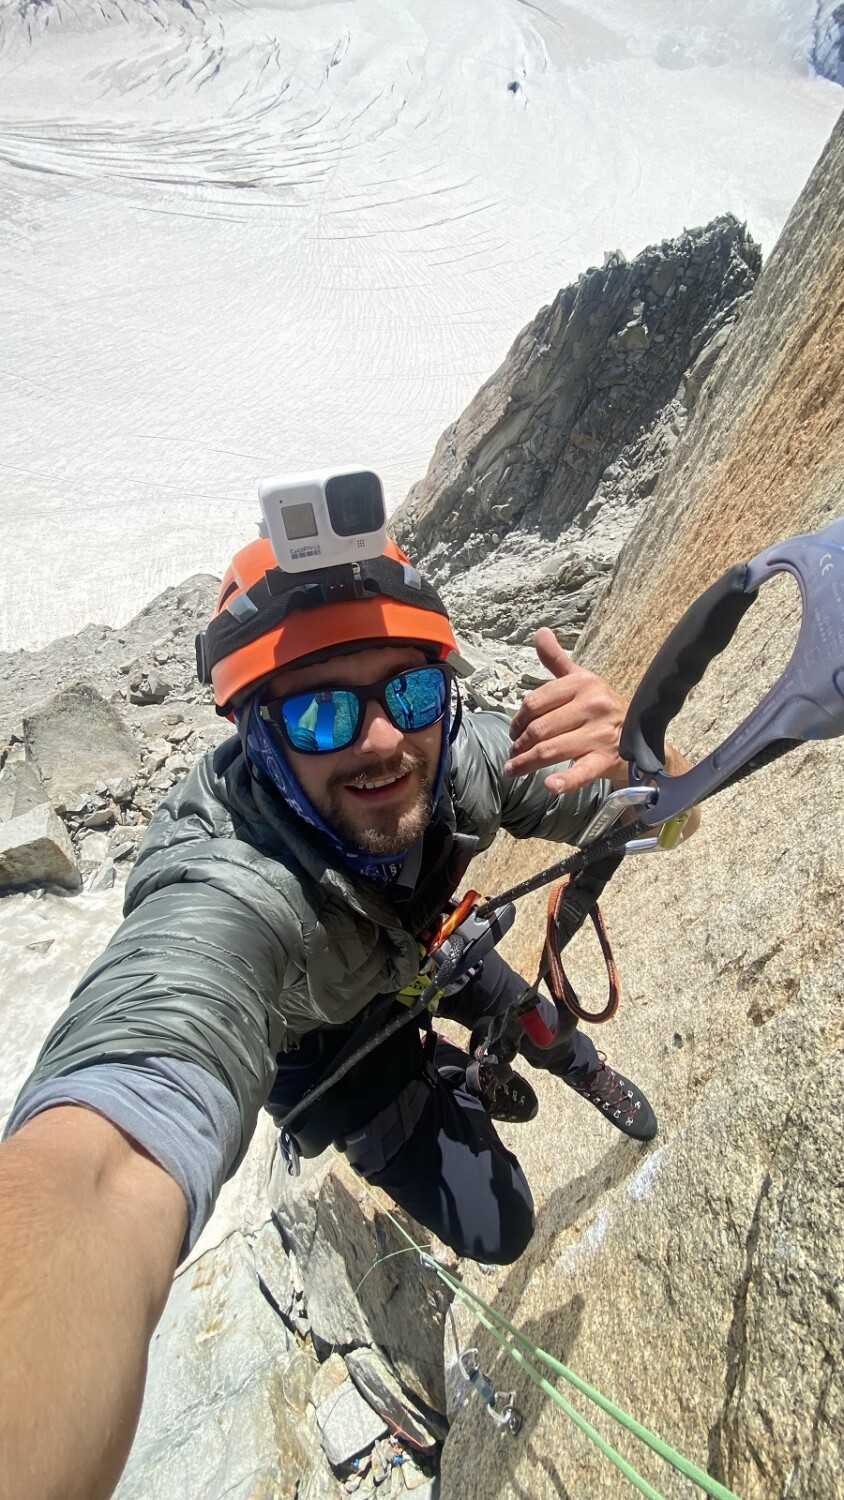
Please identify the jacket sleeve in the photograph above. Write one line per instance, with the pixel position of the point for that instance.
(486, 799)
(192, 973)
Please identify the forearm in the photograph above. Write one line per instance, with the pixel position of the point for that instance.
(90, 1229)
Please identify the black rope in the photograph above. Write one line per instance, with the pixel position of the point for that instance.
(438, 983)
(624, 832)
(600, 848)
(579, 860)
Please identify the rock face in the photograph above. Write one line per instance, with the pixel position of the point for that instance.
(698, 1282)
(232, 1409)
(332, 1231)
(244, 1401)
(575, 424)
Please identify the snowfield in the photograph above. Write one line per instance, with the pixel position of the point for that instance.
(238, 239)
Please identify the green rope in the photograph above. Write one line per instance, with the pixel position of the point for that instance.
(409, 1249)
(591, 1432)
(499, 1326)
(684, 1465)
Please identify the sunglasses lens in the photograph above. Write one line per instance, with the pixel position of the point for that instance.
(320, 720)
(330, 718)
(417, 699)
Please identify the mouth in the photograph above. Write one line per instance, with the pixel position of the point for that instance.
(378, 788)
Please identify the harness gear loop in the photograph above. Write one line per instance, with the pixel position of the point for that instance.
(557, 979)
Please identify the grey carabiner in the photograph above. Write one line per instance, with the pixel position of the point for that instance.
(509, 1418)
(805, 703)
(289, 1152)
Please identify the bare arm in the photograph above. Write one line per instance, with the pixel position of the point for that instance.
(90, 1229)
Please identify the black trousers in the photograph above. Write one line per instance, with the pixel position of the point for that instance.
(453, 1174)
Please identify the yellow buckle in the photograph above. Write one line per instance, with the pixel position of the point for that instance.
(412, 991)
(671, 831)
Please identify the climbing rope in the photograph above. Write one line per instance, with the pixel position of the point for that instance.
(523, 1350)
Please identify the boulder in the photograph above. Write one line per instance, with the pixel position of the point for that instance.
(76, 739)
(348, 1425)
(35, 851)
(148, 687)
(21, 788)
(104, 877)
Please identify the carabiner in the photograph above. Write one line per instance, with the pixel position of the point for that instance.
(509, 1418)
(805, 703)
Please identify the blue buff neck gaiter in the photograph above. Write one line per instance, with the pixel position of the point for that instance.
(264, 754)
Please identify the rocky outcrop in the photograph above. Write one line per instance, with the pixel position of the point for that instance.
(35, 851)
(107, 746)
(76, 740)
(544, 474)
(698, 1282)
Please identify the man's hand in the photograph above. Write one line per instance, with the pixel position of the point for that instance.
(575, 717)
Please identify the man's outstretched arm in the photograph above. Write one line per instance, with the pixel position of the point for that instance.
(90, 1231)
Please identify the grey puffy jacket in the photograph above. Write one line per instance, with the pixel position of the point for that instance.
(239, 937)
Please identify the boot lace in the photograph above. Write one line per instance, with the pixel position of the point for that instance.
(603, 1085)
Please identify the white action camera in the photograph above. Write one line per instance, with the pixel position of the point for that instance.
(325, 519)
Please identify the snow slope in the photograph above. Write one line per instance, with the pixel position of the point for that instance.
(239, 238)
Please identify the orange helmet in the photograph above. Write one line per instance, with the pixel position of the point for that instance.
(267, 619)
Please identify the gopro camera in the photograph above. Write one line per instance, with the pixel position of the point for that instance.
(325, 519)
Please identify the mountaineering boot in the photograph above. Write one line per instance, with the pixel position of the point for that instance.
(504, 1094)
(619, 1100)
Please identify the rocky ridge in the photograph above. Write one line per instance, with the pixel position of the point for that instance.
(533, 490)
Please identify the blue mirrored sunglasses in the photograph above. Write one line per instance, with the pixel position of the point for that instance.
(325, 718)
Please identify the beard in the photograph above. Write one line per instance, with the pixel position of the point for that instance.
(377, 830)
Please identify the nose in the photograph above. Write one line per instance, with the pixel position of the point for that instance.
(378, 736)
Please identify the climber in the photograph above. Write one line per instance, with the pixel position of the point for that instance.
(271, 918)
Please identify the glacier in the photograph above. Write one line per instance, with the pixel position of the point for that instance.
(242, 238)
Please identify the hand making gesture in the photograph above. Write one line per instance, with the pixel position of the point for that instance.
(576, 717)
